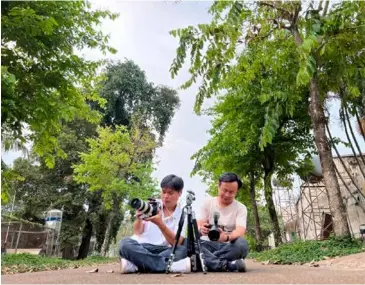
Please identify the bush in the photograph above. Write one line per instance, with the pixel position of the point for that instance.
(307, 251)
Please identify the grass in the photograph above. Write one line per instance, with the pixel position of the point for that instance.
(307, 251)
(19, 263)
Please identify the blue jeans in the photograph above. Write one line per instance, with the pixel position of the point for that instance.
(149, 257)
(217, 254)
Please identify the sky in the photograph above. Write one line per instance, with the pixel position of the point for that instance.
(141, 34)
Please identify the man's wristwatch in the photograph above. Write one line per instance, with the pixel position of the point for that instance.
(227, 239)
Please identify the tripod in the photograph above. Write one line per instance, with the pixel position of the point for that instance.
(195, 253)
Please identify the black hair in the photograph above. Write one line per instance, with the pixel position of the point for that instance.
(173, 182)
(230, 177)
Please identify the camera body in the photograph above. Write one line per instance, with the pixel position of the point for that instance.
(214, 232)
(148, 209)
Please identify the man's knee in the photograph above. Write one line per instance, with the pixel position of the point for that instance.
(181, 252)
(126, 246)
(241, 245)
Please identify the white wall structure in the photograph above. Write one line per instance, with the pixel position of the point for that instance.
(314, 217)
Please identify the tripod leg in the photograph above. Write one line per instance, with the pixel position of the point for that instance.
(191, 245)
(199, 246)
(177, 237)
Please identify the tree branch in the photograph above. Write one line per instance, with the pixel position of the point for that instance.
(360, 125)
(286, 14)
(296, 14)
(353, 136)
(325, 8)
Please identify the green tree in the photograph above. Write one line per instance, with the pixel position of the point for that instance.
(265, 227)
(44, 81)
(9, 177)
(115, 166)
(128, 94)
(234, 145)
(323, 62)
(44, 188)
(32, 195)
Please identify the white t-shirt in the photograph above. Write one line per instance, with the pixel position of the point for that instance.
(229, 217)
(152, 233)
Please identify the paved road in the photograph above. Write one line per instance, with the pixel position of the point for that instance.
(257, 273)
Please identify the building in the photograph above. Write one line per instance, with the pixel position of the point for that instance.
(314, 220)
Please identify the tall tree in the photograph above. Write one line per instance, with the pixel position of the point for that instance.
(128, 94)
(115, 166)
(323, 61)
(43, 79)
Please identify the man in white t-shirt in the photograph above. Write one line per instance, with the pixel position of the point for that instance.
(149, 249)
(228, 253)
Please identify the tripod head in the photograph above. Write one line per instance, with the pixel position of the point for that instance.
(190, 198)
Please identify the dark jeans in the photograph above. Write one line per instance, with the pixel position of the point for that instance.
(217, 254)
(148, 257)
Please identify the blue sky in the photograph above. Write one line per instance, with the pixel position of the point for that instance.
(141, 33)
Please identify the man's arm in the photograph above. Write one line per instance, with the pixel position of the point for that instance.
(138, 225)
(203, 219)
(238, 232)
(168, 234)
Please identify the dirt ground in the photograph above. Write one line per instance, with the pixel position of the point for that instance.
(349, 270)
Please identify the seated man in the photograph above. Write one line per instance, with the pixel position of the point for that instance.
(228, 253)
(149, 249)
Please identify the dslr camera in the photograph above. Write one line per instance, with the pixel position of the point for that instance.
(148, 209)
(214, 232)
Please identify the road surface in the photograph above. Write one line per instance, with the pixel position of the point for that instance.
(257, 273)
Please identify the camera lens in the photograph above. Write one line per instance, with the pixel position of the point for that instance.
(142, 206)
(136, 203)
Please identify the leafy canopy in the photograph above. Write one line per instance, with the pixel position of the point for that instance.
(44, 80)
(115, 164)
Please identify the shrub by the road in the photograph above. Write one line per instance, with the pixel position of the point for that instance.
(19, 263)
(307, 251)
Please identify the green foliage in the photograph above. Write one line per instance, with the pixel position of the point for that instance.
(284, 48)
(129, 94)
(20, 263)
(9, 177)
(44, 188)
(31, 194)
(113, 164)
(307, 251)
(44, 81)
(265, 223)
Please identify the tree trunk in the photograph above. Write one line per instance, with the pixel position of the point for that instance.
(85, 242)
(268, 166)
(255, 212)
(108, 232)
(271, 208)
(68, 252)
(336, 205)
(105, 246)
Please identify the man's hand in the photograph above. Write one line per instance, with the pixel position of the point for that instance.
(222, 236)
(204, 229)
(138, 215)
(156, 219)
